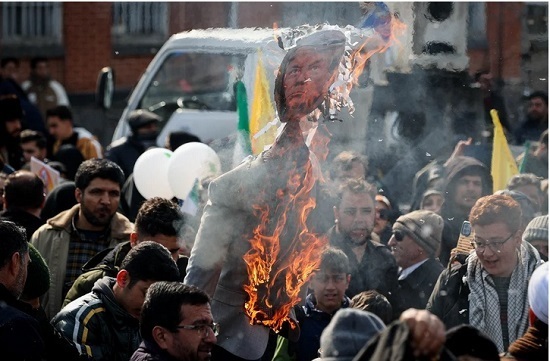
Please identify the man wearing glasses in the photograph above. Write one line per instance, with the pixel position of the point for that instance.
(415, 240)
(176, 324)
(490, 290)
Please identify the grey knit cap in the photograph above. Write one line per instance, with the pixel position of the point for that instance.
(537, 229)
(348, 331)
(424, 227)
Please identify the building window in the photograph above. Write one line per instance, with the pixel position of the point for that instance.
(140, 22)
(536, 24)
(31, 23)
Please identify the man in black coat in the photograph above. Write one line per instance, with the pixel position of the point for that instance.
(19, 332)
(415, 240)
(126, 151)
(372, 265)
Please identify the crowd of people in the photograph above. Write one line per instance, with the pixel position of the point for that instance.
(93, 271)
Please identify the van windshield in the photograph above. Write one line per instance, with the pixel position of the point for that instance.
(195, 81)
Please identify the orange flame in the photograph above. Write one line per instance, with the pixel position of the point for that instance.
(374, 45)
(284, 252)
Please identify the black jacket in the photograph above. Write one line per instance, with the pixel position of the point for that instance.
(449, 299)
(415, 290)
(125, 153)
(376, 271)
(149, 351)
(24, 219)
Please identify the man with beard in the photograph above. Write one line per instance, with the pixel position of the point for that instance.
(42, 90)
(537, 119)
(19, 332)
(11, 115)
(176, 324)
(62, 129)
(372, 265)
(68, 240)
(126, 151)
(466, 180)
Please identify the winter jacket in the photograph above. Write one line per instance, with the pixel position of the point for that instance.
(98, 326)
(415, 290)
(84, 141)
(52, 241)
(106, 263)
(452, 216)
(150, 351)
(24, 219)
(312, 322)
(125, 152)
(450, 298)
(20, 337)
(45, 94)
(376, 271)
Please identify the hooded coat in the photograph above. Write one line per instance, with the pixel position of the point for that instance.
(452, 215)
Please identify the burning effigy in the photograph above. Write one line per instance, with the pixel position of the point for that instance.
(256, 246)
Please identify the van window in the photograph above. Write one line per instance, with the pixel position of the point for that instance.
(195, 81)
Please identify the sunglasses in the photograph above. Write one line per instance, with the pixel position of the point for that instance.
(399, 235)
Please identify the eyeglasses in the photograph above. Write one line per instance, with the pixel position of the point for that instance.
(398, 235)
(495, 246)
(202, 329)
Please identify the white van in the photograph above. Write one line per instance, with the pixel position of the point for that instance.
(190, 82)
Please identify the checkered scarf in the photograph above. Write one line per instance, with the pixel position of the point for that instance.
(483, 298)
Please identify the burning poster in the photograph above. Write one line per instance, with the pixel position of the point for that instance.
(256, 247)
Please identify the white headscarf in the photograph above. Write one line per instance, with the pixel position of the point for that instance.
(538, 293)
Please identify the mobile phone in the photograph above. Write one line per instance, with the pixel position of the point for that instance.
(465, 239)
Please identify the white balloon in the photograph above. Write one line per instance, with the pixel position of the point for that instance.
(191, 161)
(151, 173)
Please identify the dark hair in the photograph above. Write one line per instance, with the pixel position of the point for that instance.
(61, 111)
(159, 216)
(177, 138)
(539, 94)
(7, 60)
(345, 160)
(496, 208)
(150, 261)
(24, 190)
(29, 135)
(162, 306)
(36, 60)
(524, 179)
(14, 239)
(374, 302)
(335, 260)
(70, 157)
(98, 168)
(356, 186)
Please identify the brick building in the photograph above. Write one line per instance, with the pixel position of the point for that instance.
(508, 39)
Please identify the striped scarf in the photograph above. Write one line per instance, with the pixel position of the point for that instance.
(484, 302)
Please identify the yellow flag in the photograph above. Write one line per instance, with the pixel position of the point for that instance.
(503, 164)
(262, 112)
